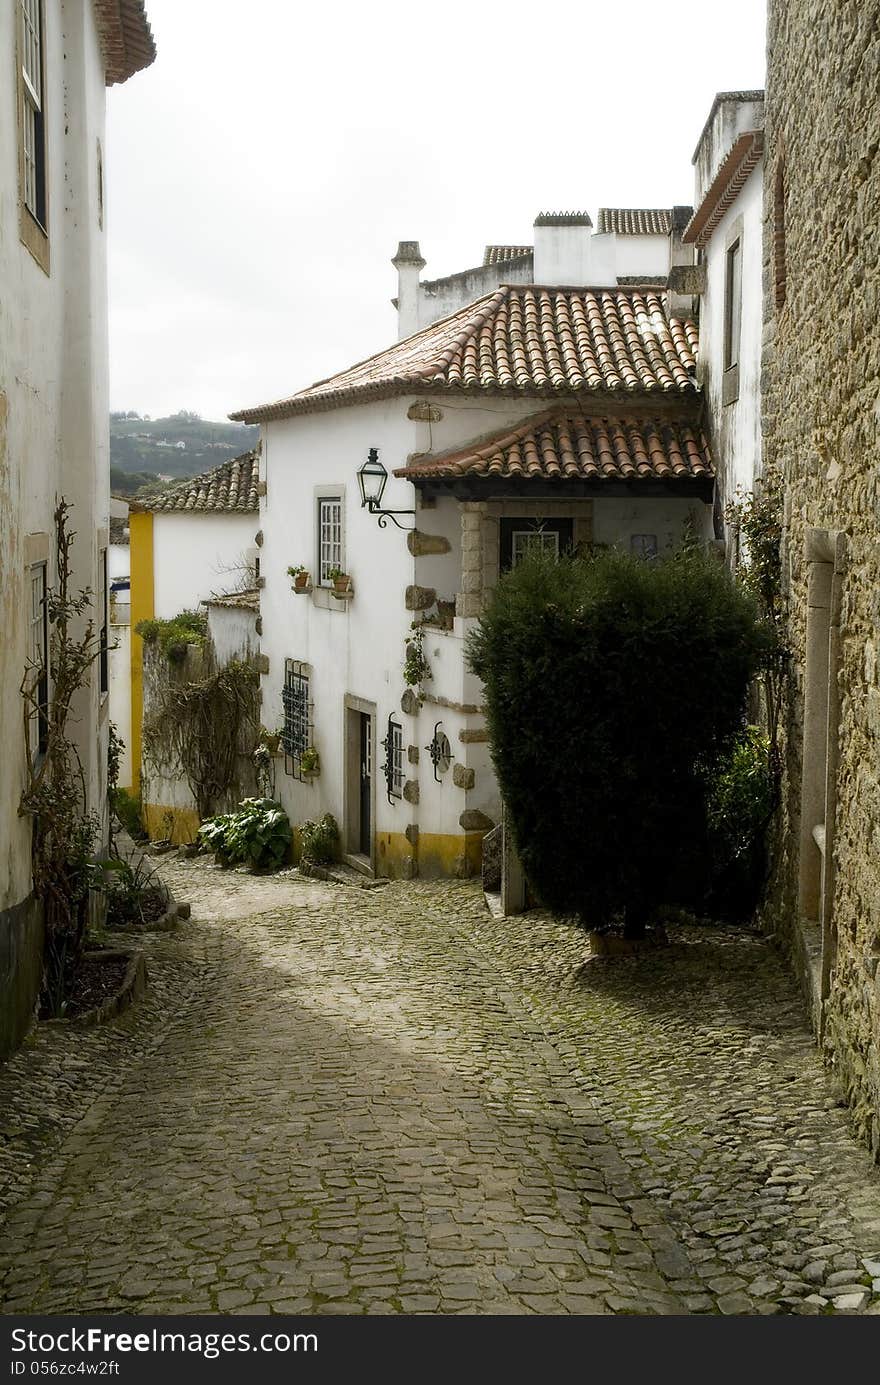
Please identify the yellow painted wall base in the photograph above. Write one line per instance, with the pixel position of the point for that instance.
(434, 856)
(183, 822)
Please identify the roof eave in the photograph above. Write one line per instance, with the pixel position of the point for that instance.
(127, 41)
(743, 157)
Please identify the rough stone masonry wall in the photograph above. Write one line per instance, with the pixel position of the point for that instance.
(821, 423)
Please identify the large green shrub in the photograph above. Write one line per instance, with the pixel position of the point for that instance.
(174, 636)
(741, 797)
(612, 686)
(319, 841)
(257, 834)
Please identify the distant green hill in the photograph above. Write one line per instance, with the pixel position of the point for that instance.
(154, 444)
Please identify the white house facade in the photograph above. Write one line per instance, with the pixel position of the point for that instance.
(57, 58)
(727, 229)
(546, 415)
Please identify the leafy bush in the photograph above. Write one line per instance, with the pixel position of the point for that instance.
(172, 636)
(257, 834)
(612, 687)
(319, 841)
(741, 797)
(135, 895)
(128, 809)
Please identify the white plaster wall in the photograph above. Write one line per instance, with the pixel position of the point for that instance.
(562, 255)
(736, 427)
(354, 647)
(648, 255)
(732, 118)
(233, 630)
(54, 432)
(118, 560)
(190, 553)
(119, 672)
(440, 297)
(616, 520)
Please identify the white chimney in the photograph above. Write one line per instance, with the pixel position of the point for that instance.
(409, 263)
(562, 248)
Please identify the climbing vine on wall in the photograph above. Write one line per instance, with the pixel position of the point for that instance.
(201, 726)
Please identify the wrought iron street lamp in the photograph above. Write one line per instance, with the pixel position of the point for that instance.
(371, 480)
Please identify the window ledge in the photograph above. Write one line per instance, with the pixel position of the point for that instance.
(323, 598)
(34, 238)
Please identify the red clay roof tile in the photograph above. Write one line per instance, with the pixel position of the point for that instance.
(635, 221)
(522, 340)
(561, 444)
(230, 488)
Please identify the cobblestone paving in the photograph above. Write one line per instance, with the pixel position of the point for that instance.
(387, 1101)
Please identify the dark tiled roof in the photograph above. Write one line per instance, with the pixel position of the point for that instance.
(563, 219)
(745, 154)
(564, 445)
(245, 601)
(498, 254)
(119, 530)
(230, 488)
(126, 39)
(635, 221)
(522, 340)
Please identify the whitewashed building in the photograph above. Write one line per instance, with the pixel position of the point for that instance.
(727, 229)
(539, 414)
(56, 59)
(190, 542)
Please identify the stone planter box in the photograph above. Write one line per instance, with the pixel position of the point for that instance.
(131, 988)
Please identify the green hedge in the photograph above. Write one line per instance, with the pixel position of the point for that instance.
(614, 686)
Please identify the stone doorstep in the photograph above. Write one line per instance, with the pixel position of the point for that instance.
(341, 874)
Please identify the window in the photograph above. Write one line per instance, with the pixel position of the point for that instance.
(296, 736)
(732, 304)
(32, 115)
(38, 654)
(105, 605)
(393, 766)
(643, 545)
(520, 537)
(329, 537)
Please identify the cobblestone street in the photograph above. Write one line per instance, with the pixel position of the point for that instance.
(344, 1101)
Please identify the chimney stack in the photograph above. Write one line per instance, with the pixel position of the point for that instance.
(409, 263)
(562, 248)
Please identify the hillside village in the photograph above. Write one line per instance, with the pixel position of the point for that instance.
(285, 613)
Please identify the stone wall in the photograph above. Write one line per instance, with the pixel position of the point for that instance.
(821, 423)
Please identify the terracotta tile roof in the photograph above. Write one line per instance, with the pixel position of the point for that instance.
(522, 340)
(497, 254)
(245, 601)
(635, 221)
(744, 156)
(126, 39)
(230, 488)
(562, 444)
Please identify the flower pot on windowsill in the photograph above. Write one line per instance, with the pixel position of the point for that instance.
(310, 763)
(342, 588)
(300, 579)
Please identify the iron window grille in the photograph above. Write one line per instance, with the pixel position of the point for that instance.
(296, 736)
(393, 766)
(105, 608)
(329, 538)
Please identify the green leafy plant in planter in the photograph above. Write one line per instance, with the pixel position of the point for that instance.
(740, 802)
(310, 761)
(341, 581)
(299, 576)
(257, 834)
(319, 841)
(416, 668)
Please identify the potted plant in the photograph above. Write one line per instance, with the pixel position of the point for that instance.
(341, 582)
(300, 577)
(310, 761)
(270, 739)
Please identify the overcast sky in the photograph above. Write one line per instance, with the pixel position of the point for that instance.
(263, 170)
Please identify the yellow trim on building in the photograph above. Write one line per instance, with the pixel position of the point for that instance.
(142, 608)
(436, 855)
(178, 825)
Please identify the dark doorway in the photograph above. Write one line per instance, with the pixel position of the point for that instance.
(366, 784)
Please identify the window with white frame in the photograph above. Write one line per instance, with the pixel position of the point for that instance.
(38, 655)
(296, 734)
(732, 304)
(32, 113)
(393, 766)
(329, 537)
